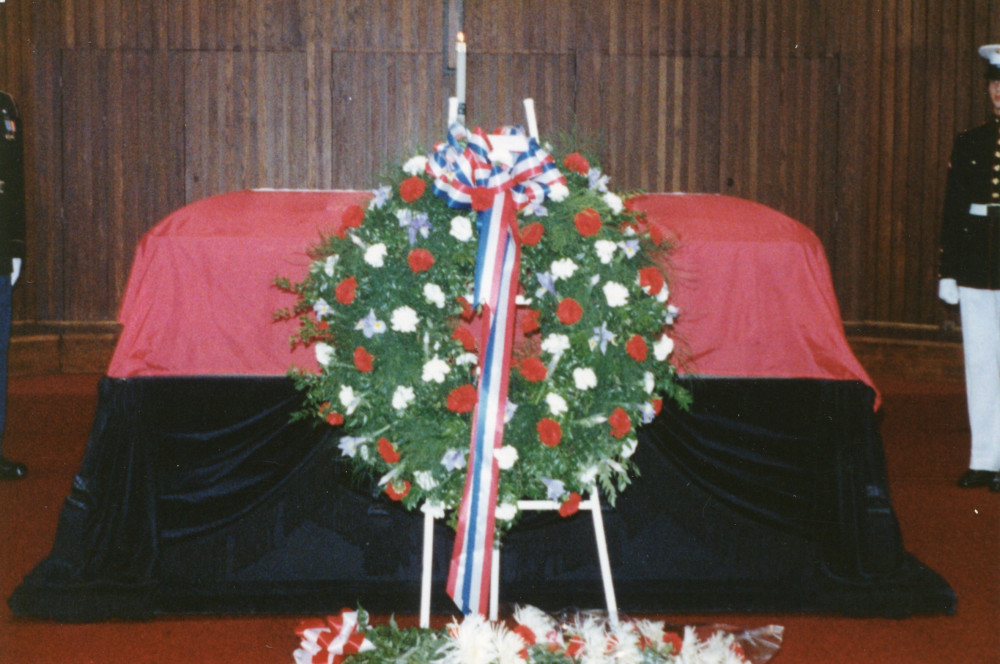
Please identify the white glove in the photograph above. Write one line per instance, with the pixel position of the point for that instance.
(15, 272)
(948, 291)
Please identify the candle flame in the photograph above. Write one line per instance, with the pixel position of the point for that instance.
(460, 37)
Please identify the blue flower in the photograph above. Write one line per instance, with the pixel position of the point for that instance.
(453, 460)
(370, 325)
(415, 223)
(381, 197)
(555, 489)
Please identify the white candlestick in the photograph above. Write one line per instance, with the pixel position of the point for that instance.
(452, 111)
(460, 75)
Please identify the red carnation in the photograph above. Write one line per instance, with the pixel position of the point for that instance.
(529, 323)
(346, 290)
(462, 399)
(656, 233)
(636, 348)
(482, 199)
(334, 419)
(412, 188)
(533, 369)
(651, 280)
(322, 326)
(675, 641)
(532, 234)
(526, 634)
(351, 218)
(466, 308)
(657, 405)
(549, 432)
(363, 359)
(571, 505)
(464, 336)
(397, 494)
(620, 423)
(387, 450)
(569, 311)
(577, 162)
(587, 222)
(420, 260)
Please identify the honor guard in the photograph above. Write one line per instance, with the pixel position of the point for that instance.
(970, 275)
(12, 222)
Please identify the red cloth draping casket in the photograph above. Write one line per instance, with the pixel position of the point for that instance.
(753, 287)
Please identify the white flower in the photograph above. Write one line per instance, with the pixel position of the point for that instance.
(557, 405)
(585, 378)
(415, 165)
(558, 192)
(605, 250)
(435, 509)
(466, 358)
(402, 397)
(506, 457)
(629, 447)
(324, 353)
(649, 382)
(348, 399)
(647, 412)
(616, 294)
(434, 295)
(349, 445)
(435, 370)
(556, 344)
(522, 301)
(663, 347)
(563, 268)
(614, 202)
(404, 319)
(329, 264)
(375, 254)
(589, 475)
(461, 228)
(425, 479)
(471, 642)
(506, 511)
(508, 413)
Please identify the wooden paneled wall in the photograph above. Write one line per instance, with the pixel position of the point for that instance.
(839, 113)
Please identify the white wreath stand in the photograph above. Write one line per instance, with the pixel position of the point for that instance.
(518, 144)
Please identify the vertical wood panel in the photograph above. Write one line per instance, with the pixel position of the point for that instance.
(838, 113)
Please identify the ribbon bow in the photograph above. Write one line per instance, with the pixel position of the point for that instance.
(496, 184)
(331, 640)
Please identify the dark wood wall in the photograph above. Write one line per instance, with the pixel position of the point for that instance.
(839, 113)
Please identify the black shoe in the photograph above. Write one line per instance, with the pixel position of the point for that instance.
(972, 479)
(995, 482)
(11, 470)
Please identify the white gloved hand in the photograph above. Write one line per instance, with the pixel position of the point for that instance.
(948, 291)
(15, 272)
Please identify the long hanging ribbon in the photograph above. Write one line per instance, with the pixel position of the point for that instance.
(458, 172)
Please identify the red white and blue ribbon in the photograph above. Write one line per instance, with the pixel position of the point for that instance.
(458, 172)
(331, 640)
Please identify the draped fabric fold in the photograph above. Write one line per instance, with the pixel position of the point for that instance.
(200, 495)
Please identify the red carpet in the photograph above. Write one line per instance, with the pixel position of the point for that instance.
(954, 531)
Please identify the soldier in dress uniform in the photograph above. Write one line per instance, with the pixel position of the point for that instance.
(970, 275)
(12, 221)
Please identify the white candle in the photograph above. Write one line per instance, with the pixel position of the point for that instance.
(460, 74)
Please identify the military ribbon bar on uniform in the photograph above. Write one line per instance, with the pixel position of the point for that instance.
(476, 176)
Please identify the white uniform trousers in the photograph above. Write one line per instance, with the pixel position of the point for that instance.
(981, 344)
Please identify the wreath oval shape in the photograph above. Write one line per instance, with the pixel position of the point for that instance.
(386, 305)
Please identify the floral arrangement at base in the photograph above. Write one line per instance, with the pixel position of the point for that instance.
(536, 638)
(387, 307)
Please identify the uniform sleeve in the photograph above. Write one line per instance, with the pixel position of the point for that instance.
(957, 198)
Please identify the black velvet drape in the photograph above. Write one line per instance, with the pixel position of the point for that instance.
(199, 494)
